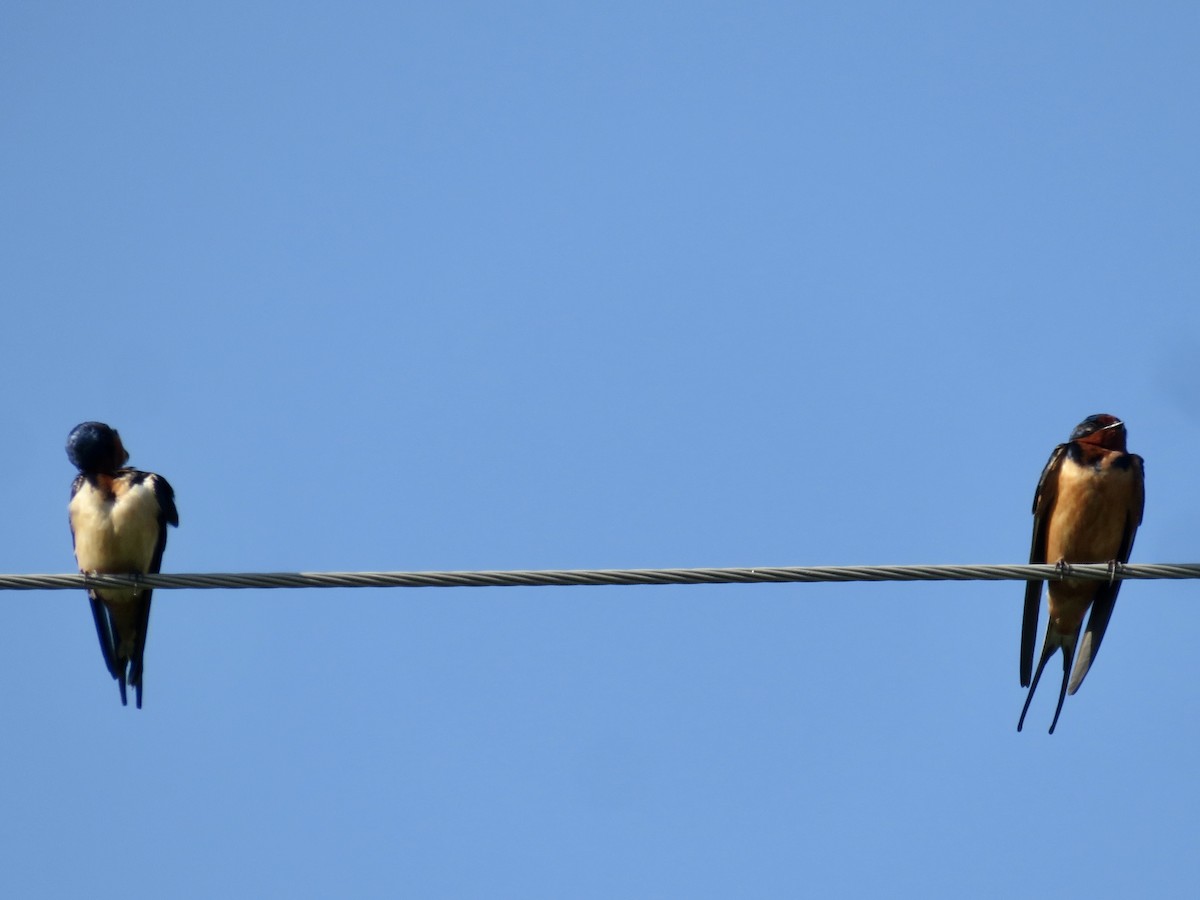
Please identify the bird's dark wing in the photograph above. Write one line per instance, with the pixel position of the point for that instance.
(106, 631)
(1043, 506)
(167, 515)
(1106, 595)
(139, 644)
(166, 501)
(75, 486)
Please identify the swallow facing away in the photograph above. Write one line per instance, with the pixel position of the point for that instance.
(1087, 509)
(119, 520)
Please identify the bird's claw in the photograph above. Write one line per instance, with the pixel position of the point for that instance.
(94, 575)
(1115, 568)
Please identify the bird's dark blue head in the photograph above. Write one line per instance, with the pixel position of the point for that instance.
(1103, 430)
(95, 449)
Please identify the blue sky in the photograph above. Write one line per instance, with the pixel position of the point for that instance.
(530, 285)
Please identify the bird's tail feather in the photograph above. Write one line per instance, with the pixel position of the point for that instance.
(1089, 644)
(1054, 641)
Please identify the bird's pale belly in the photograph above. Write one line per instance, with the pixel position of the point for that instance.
(115, 534)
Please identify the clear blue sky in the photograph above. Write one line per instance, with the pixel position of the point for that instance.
(526, 285)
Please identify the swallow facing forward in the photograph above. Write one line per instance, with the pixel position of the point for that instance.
(1087, 509)
(119, 520)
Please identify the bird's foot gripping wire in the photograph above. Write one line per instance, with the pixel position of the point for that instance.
(1115, 568)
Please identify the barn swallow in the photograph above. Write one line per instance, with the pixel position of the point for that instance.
(1087, 509)
(119, 520)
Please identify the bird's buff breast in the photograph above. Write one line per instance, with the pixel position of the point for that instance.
(1091, 512)
(114, 532)
(1089, 521)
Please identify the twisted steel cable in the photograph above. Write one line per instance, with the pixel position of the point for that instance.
(595, 577)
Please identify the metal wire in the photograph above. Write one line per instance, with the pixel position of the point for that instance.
(570, 577)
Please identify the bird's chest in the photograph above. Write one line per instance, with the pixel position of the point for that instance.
(116, 529)
(1091, 513)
